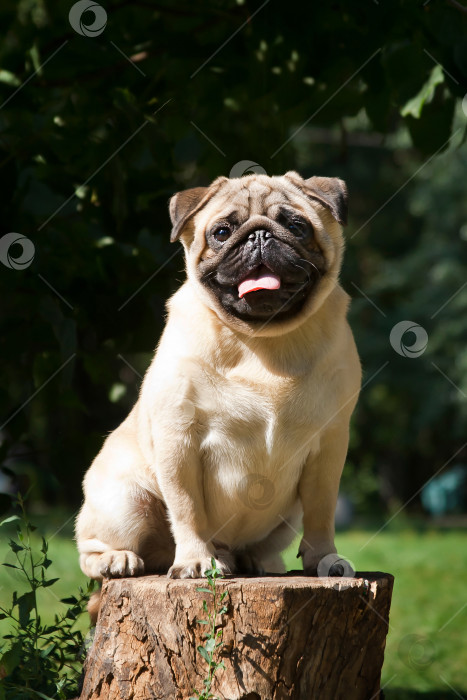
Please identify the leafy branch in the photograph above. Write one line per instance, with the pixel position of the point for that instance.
(213, 637)
(38, 660)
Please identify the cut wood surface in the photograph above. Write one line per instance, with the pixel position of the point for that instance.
(287, 636)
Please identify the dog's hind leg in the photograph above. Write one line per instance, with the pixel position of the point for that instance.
(122, 528)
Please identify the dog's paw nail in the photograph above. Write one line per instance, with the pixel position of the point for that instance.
(190, 572)
(195, 569)
(120, 563)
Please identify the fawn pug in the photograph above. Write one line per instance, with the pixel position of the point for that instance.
(240, 432)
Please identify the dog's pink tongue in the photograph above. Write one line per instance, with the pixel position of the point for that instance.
(259, 279)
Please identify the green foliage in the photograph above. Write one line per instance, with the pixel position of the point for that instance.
(416, 104)
(213, 637)
(93, 144)
(38, 660)
(412, 265)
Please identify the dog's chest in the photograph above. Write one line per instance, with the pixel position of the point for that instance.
(254, 439)
(255, 426)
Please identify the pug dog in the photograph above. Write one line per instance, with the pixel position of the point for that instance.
(240, 433)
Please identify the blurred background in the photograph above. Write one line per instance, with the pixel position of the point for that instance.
(105, 112)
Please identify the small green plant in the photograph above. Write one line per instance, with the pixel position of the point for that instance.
(213, 637)
(38, 660)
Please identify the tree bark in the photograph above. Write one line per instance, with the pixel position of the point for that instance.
(284, 636)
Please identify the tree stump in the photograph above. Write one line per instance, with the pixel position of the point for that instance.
(286, 636)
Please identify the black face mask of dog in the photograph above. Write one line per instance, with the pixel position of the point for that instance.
(263, 260)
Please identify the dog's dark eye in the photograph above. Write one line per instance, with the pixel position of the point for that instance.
(296, 227)
(221, 234)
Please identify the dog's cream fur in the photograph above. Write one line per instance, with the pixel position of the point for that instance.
(238, 432)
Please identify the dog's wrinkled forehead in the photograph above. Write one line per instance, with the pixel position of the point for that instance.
(255, 196)
(248, 199)
(258, 195)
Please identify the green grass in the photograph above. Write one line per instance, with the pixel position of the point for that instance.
(430, 569)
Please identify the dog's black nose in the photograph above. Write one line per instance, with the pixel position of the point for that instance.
(260, 234)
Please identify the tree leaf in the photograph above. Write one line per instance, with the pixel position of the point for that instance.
(9, 78)
(69, 601)
(203, 653)
(25, 605)
(415, 105)
(47, 650)
(10, 659)
(15, 547)
(44, 697)
(50, 582)
(210, 645)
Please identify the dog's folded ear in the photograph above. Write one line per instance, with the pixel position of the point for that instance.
(182, 206)
(187, 203)
(330, 191)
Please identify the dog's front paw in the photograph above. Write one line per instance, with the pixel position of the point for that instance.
(195, 568)
(119, 563)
